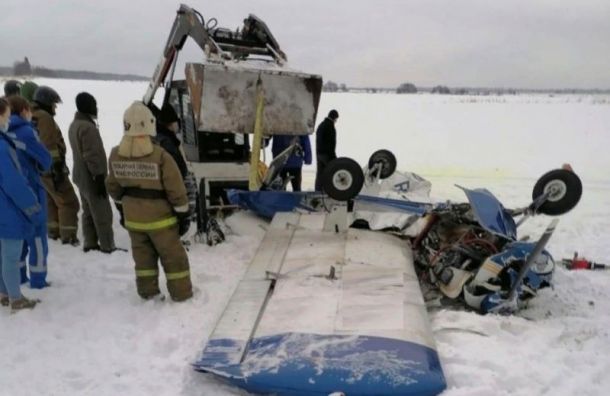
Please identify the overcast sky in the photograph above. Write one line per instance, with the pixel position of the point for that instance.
(518, 43)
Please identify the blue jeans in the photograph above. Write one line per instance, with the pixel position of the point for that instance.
(10, 277)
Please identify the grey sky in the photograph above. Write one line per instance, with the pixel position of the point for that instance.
(520, 43)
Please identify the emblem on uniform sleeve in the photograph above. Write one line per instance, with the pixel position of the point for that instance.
(135, 170)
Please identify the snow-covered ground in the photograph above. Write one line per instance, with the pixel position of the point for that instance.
(92, 335)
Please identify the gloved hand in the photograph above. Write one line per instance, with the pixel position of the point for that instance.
(100, 185)
(184, 222)
(119, 207)
(58, 173)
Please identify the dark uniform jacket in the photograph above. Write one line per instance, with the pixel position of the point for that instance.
(170, 142)
(326, 139)
(87, 151)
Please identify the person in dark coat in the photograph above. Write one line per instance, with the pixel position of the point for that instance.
(326, 143)
(167, 128)
(90, 169)
(11, 87)
(294, 165)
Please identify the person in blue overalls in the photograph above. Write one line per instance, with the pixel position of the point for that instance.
(19, 211)
(34, 159)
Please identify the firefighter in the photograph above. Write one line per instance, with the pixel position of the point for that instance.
(89, 174)
(63, 205)
(147, 187)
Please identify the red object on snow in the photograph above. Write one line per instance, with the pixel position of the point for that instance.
(581, 263)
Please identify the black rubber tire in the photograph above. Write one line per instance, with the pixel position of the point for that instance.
(568, 199)
(388, 162)
(342, 170)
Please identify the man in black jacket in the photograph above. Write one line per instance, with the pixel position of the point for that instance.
(326, 143)
(167, 128)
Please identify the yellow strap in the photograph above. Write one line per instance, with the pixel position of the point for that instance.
(147, 272)
(153, 225)
(177, 275)
(55, 153)
(254, 182)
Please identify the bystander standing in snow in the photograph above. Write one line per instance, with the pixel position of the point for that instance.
(167, 137)
(27, 90)
(293, 167)
(89, 173)
(62, 203)
(19, 211)
(326, 144)
(34, 159)
(11, 87)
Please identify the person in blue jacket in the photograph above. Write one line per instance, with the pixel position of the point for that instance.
(19, 211)
(294, 165)
(34, 159)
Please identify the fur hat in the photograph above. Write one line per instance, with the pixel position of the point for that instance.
(138, 120)
(333, 114)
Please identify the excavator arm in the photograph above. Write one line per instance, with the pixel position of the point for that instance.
(218, 44)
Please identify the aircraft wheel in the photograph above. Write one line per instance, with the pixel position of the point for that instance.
(342, 179)
(386, 159)
(565, 190)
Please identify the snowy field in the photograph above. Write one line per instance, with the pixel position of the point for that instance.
(92, 335)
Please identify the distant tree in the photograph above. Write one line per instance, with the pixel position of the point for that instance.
(460, 91)
(330, 86)
(22, 68)
(406, 88)
(343, 88)
(441, 89)
(44, 72)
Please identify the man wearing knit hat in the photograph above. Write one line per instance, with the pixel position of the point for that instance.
(145, 183)
(27, 90)
(12, 87)
(89, 174)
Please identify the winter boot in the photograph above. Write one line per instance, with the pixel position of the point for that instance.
(71, 241)
(4, 301)
(23, 303)
(90, 248)
(159, 297)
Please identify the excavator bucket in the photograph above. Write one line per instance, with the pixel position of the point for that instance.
(224, 98)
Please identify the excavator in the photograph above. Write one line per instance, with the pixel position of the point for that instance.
(243, 86)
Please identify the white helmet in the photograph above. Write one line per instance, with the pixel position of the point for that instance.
(138, 120)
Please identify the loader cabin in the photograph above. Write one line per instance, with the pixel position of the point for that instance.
(202, 146)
